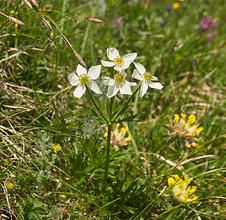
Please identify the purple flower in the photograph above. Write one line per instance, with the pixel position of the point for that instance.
(207, 23)
(169, 7)
(209, 26)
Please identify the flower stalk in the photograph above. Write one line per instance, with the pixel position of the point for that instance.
(109, 133)
(126, 105)
(107, 153)
(96, 106)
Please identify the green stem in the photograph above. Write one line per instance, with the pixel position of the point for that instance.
(135, 109)
(127, 103)
(110, 108)
(108, 142)
(107, 154)
(94, 103)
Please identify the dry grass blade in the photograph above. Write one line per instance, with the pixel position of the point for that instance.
(34, 3)
(77, 55)
(31, 3)
(94, 19)
(170, 162)
(46, 23)
(13, 19)
(28, 3)
(23, 101)
(16, 21)
(13, 55)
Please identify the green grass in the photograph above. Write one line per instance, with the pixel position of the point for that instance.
(38, 109)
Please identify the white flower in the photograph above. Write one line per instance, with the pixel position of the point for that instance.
(147, 79)
(82, 79)
(118, 84)
(119, 63)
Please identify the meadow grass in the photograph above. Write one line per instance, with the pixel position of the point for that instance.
(38, 109)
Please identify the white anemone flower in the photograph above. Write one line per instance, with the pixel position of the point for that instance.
(148, 80)
(82, 78)
(119, 63)
(118, 84)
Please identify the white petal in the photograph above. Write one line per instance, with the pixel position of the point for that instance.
(119, 68)
(111, 82)
(79, 91)
(93, 86)
(156, 85)
(123, 73)
(128, 59)
(137, 76)
(125, 89)
(73, 79)
(94, 71)
(140, 68)
(112, 91)
(112, 53)
(143, 89)
(107, 63)
(132, 83)
(108, 81)
(154, 78)
(81, 70)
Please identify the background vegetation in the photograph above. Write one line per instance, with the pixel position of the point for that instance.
(38, 109)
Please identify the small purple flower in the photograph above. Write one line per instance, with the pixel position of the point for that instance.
(207, 23)
(209, 26)
(169, 7)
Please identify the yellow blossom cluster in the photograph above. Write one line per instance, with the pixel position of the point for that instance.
(56, 148)
(186, 127)
(182, 189)
(120, 136)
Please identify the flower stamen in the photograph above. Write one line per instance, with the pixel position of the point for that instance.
(148, 76)
(84, 80)
(119, 61)
(119, 79)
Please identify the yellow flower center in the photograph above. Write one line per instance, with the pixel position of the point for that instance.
(119, 79)
(119, 61)
(148, 76)
(84, 80)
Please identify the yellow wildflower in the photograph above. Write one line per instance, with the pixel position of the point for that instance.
(120, 136)
(10, 184)
(56, 148)
(186, 127)
(182, 189)
(176, 6)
